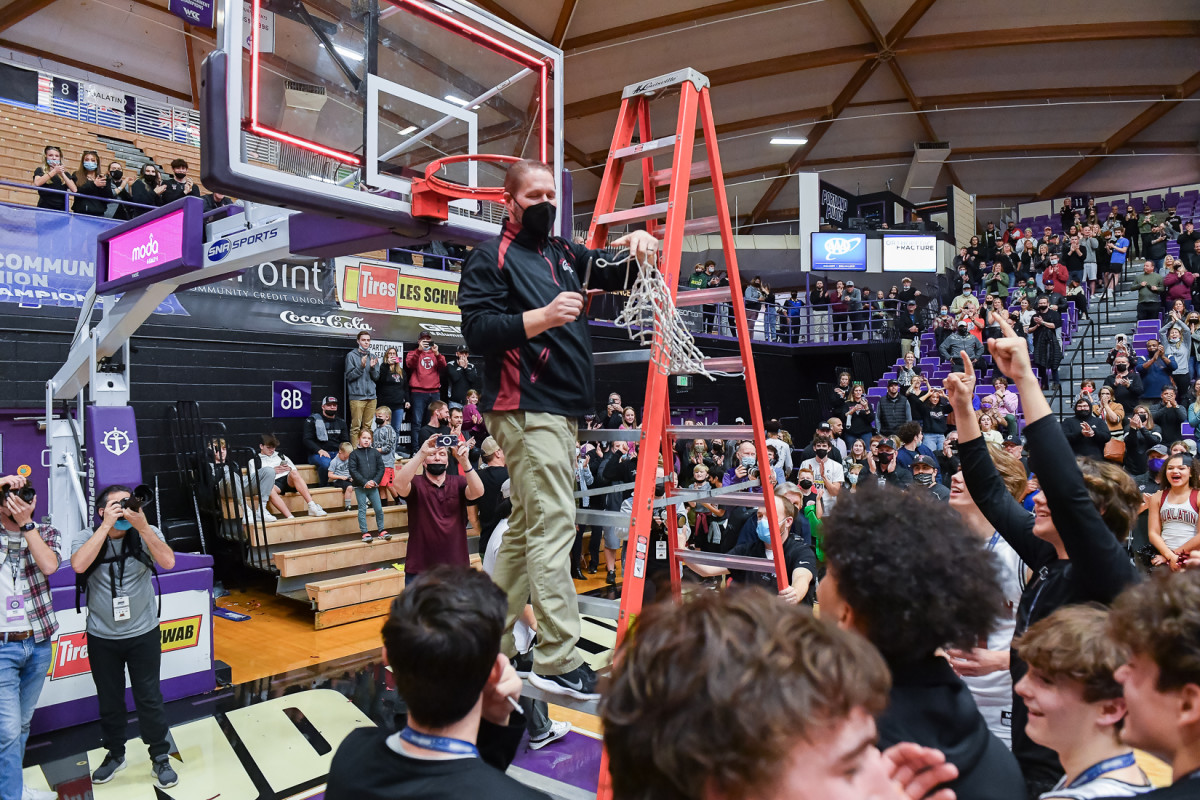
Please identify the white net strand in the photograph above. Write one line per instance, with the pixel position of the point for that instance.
(650, 317)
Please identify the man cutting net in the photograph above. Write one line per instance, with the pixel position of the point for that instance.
(521, 298)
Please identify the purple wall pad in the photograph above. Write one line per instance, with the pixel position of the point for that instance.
(87, 709)
(573, 759)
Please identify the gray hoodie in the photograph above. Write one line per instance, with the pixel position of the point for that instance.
(1181, 352)
(360, 380)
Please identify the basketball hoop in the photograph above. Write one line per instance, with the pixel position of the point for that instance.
(431, 195)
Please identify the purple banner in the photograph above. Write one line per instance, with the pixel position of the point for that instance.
(199, 13)
(113, 455)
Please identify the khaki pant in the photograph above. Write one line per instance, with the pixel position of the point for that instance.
(535, 557)
(362, 413)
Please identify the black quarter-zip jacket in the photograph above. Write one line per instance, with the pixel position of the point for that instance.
(513, 273)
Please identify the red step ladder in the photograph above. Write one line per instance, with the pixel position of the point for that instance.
(666, 219)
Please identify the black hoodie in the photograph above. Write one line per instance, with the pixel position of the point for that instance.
(931, 706)
(514, 273)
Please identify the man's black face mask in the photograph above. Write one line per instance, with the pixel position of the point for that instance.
(538, 219)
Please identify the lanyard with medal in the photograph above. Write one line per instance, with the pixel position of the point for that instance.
(1107, 765)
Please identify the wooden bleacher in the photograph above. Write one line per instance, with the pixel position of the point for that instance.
(24, 133)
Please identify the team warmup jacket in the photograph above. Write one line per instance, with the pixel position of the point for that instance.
(514, 273)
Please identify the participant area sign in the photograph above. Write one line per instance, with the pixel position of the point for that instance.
(378, 286)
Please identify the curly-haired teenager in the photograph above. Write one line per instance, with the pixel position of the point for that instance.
(912, 589)
(797, 722)
(1073, 541)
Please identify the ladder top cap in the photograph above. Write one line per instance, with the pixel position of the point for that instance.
(655, 86)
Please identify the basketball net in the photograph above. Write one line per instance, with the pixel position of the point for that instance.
(651, 318)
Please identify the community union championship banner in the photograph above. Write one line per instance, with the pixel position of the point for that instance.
(48, 258)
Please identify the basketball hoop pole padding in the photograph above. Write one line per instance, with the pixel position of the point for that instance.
(431, 195)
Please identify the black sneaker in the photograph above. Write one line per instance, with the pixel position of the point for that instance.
(611, 577)
(523, 663)
(579, 683)
(164, 775)
(111, 765)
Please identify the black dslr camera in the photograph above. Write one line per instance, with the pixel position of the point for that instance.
(26, 493)
(141, 497)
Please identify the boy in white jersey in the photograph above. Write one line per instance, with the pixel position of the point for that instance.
(985, 669)
(1076, 706)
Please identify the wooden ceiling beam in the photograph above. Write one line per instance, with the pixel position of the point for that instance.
(20, 10)
(1131, 129)
(894, 37)
(87, 67)
(939, 43)
(497, 10)
(564, 21)
(690, 16)
(193, 76)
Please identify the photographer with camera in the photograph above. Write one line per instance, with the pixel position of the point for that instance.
(31, 555)
(614, 412)
(425, 366)
(115, 563)
(437, 503)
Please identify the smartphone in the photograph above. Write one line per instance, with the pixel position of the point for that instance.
(447, 440)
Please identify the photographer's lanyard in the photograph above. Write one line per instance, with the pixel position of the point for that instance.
(14, 604)
(120, 600)
(440, 744)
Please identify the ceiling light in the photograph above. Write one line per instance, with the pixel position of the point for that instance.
(792, 140)
(408, 130)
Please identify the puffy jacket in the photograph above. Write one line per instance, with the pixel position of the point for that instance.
(892, 413)
(365, 465)
(955, 342)
(360, 379)
(513, 273)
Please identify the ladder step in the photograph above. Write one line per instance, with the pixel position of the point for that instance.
(642, 356)
(697, 227)
(747, 499)
(645, 149)
(702, 297)
(699, 170)
(631, 215)
(745, 563)
(729, 364)
(596, 516)
(608, 435)
(712, 431)
(599, 607)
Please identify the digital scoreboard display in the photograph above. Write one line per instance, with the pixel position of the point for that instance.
(161, 243)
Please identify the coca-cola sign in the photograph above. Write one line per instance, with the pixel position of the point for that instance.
(335, 321)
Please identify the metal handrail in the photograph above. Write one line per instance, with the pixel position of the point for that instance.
(69, 195)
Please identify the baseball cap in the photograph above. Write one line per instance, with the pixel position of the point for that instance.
(489, 446)
(330, 400)
(849, 283)
(824, 426)
(1013, 438)
(424, 335)
(1161, 449)
(924, 460)
(891, 382)
(912, 303)
(462, 348)
(506, 488)
(886, 442)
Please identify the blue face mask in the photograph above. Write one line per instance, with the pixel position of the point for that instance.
(748, 461)
(763, 530)
(1155, 464)
(122, 524)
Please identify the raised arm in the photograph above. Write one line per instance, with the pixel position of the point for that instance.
(1102, 566)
